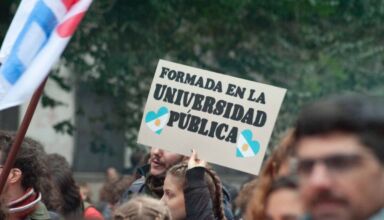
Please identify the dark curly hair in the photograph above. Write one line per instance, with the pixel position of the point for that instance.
(30, 160)
(50, 194)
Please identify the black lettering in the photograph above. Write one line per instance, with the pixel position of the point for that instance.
(163, 72)
(202, 130)
(219, 130)
(194, 125)
(159, 91)
(178, 97)
(180, 76)
(239, 92)
(248, 117)
(209, 84)
(230, 89)
(261, 118)
(174, 116)
(169, 95)
(213, 129)
(219, 108)
(197, 102)
(261, 98)
(238, 112)
(190, 79)
(251, 98)
(232, 136)
(172, 74)
(184, 120)
(187, 101)
(218, 87)
(200, 82)
(228, 110)
(208, 104)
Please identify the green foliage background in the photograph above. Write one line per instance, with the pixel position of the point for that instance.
(313, 48)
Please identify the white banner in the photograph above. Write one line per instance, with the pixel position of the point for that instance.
(35, 40)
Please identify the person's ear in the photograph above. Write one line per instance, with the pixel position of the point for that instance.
(14, 175)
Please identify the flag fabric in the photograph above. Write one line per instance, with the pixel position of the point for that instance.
(36, 38)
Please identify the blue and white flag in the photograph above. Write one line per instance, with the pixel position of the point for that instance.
(35, 40)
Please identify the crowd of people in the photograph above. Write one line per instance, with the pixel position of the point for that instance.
(328, 166)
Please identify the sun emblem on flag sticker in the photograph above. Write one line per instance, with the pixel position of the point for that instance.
(157, 121)
(246, 147)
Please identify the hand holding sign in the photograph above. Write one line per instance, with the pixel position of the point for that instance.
(195, 162)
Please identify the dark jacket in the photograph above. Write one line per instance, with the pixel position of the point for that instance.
(152, 186)
(198, 202)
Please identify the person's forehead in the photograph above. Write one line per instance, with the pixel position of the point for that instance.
(335, 143)
(172, 183)
(172, 155)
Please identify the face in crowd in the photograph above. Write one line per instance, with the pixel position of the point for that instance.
(162, 160)
(284, 204)
(340, 178)
(173, 197)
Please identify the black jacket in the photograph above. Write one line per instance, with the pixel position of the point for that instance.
(198, 202)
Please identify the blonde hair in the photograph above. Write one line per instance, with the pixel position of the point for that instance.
(142, 208)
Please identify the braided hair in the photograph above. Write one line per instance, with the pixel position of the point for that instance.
(213, 182)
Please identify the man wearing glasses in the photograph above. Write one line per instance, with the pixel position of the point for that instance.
(339, 144)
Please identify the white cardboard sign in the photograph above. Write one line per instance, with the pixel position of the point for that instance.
(228, 120)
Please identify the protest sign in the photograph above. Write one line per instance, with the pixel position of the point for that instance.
(228, 120)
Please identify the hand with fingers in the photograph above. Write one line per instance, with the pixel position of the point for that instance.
(194, 161)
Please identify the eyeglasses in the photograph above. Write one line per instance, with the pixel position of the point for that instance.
(335, 164)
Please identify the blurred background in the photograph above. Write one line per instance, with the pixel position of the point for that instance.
(92, 104)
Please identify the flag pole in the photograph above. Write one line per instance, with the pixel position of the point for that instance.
(10, 160)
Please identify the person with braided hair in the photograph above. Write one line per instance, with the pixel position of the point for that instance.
(151, 178)
(193, 191)
(142, 208)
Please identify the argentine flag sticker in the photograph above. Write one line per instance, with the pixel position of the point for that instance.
(246, 147)
(157, 121)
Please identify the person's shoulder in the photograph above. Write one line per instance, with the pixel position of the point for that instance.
(136, 187)
(40, 213)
